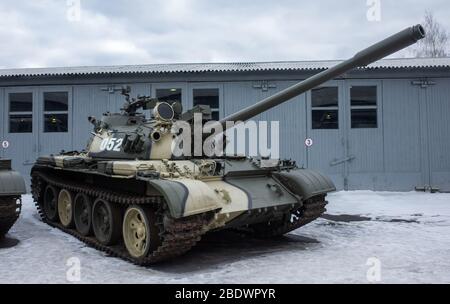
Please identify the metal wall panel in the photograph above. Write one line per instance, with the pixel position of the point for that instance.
(409, 148)
(364, 145)
(23, 147)
(438, 102)
(52, 143)
(291, 115)
(402, 140)
(328, 149)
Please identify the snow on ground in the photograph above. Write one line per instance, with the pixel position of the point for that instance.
(408, 232)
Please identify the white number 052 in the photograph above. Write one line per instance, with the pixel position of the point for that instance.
(111, 144)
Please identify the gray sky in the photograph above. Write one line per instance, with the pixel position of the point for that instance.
(38, 33)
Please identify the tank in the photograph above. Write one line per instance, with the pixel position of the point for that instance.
(12, 186)
(128, 195)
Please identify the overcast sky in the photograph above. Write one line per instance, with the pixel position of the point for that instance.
(45, 33)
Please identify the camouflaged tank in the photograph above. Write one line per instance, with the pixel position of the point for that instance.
(12, 186)
(127, 194)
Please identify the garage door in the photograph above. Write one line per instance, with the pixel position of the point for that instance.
(345, 133)
(438, 135)
(36, 121)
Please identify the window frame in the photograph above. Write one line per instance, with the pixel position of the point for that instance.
(367, 107)
(171, 88)
(330, 108)
(208, 86)
(215, 109)
(9, 113)
(171, 85)
(44, 112)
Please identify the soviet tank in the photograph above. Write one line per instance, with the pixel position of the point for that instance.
(12, 186)
(128, 195)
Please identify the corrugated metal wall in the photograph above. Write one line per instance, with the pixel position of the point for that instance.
(402, 136)
(291, 116)
(438, 101)
(408, 149)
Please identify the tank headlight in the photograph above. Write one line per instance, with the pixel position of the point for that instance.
(163, 111)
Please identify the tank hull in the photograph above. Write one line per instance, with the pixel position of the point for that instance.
(263, 202)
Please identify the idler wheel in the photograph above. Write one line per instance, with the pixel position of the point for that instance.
(140, 232)
(50, 207)
(106, 222)
(82, 213)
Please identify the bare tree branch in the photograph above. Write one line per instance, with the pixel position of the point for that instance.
(435, 43)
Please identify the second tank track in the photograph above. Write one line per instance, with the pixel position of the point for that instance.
(177, 235)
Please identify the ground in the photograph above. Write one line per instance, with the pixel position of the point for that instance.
(406, 236)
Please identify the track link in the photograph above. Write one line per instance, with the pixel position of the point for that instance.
(10, 207)
(178, 235)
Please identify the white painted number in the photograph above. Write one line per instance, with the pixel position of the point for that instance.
(5, 144)
(118, 145)
(309, 142)
(111, 144)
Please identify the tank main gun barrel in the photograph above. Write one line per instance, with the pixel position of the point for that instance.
(386, 47)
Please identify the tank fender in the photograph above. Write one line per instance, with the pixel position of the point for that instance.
(11, 183)
(306, 183)
(186, 197)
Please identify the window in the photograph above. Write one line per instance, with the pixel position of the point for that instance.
(364, 107)
(325, 108)
(20, 112)
(169, 95)
(56, 112)
(208, 97)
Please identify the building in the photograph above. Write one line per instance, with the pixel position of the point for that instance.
(384, 127)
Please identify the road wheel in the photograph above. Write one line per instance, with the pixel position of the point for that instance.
(140, 232)
(65, 208)
(51, 203)
(82, 213)
(106, 222)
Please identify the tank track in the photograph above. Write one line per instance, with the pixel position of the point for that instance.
(10, 207)
(177, 235)
(312, 209)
